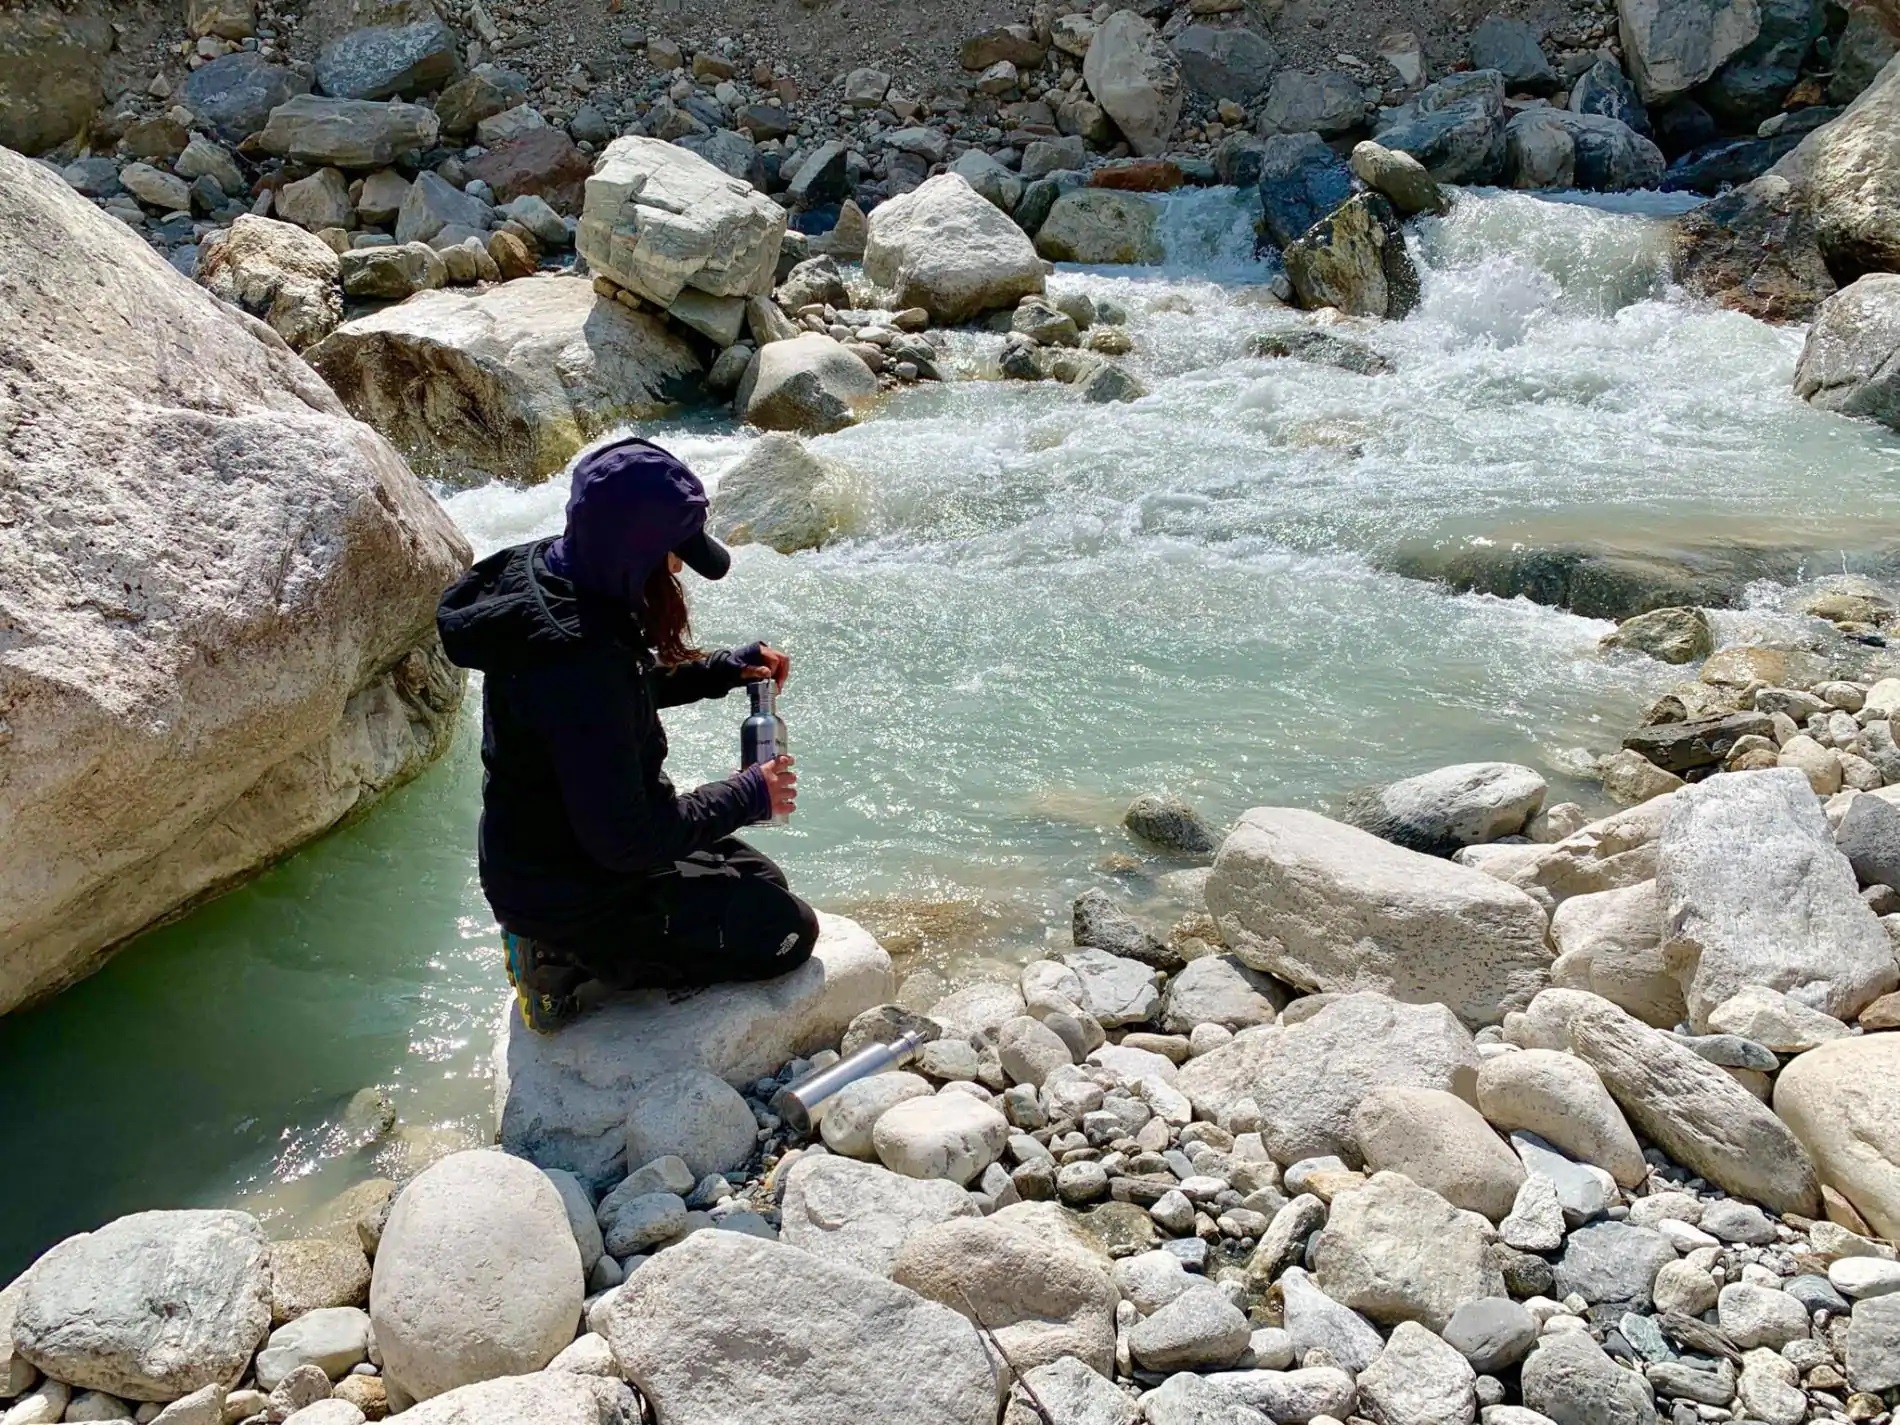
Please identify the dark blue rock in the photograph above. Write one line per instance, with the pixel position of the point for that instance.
(1817, 1293)
(1752, 85)
(233, 96)
(1454, 127)
(1683, 126)
(1301, 181)
(823, 179)
(1513, 49)
(1604, 89)
(389, 61)
(1727, 164)
(1612, 157)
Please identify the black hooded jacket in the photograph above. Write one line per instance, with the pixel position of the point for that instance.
(576, 806)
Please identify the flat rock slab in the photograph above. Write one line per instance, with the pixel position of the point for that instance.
(562, 1099)
(1327, 906)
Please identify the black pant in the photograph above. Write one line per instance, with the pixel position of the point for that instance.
(723, 914)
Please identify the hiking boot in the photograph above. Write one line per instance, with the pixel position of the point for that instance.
(545, 983)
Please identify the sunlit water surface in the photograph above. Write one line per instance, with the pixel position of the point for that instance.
(1047, 607)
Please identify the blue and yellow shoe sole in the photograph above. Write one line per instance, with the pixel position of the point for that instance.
(542, 1013)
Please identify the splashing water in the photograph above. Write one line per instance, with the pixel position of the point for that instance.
(1047, 607)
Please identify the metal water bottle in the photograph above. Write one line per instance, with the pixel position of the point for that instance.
(802, 1104)
(762, 736)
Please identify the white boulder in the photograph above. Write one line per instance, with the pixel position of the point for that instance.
(694, 1116)
(787, 496)
(1326, 906)
(946, 248)
(545, 1398)
(860, 1213)
(562, 1098)
(949, 1135)
(287, 278)
(808, 383)
(477, 1275)
(1137, 79)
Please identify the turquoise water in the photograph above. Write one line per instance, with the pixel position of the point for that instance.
(1046, 609)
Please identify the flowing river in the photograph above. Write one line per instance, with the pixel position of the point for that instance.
(1047, 608)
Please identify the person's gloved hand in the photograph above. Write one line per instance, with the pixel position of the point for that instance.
(781, 784)
(772, 664)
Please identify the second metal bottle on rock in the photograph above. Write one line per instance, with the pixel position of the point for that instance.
(762, 736)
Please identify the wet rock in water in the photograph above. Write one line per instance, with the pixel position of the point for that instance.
(276, 272)
(1097, 923)
(1671, 46)
(1399, 1252)
(1399, 176)
(1756, 250)
(861, 1214)
(149, 1307)
(785, 496)
(1698, 743)
(1044, 1297)
(52, 73)
(1515, 51)
(1726, 163)
(1355, 260)
(946, 248)
(1301, 180)
(1328, 907)
(1454, 127)
(274, 743)
(1756, 894)
(1840, 1102)
(514, 379)
(1171, 823)
(1751, 85)
(1441, 811)
(389, 61)
(688, 1329)
(1224, 63)
(234, 95)
(659, 219)
(563, 1098)
(1694, 1111)
(1135, 77)
(347, 133)
(1669, 635)
(1308, 1077)
(1321, 348)
(1327, 103)
(809, 384)
(478, 1275)
(1848, 363)
(547, 1398)
(1852, 170)
(1440, 1142)
(1097, 225)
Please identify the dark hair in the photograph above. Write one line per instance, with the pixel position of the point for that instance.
(669, 624)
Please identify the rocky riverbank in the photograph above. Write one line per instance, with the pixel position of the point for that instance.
(1461, 1107)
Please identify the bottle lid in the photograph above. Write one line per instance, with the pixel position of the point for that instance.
(764, 694)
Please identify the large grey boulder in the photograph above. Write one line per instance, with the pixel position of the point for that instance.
(1851, 361)
(186, 730)
(1554, 148)
(659, 219)
(432, 204)
(151, 1307)
(1225, 63)
(841, 1345)
(346, 133)
(1671, 46)
(544, 1398)
(1755, 892)
(1419, 1377)
(862, 1214)
(562, 1098)
(1399, 1252)
(507, 382)
(1604, 89)
(1454, 127)
(1136, 79)
(1326, 906)
(1851, 172)
(1301, 180)
(809, 384)
(1309, 1077)
(1219, 989)
(389, 61)
(234, 96)
(1842, 1101)
(1613, 1262)
(1610, 944)
(1044, 1297)
(284, 276)
(694, 1116)
(946, 248)
(52, 72)
(1445, 810)
(1440, 1142)
(1327, 102)
(1693, 1110)
(1100, 226)
(1753, 83)
(786, 496)
(478, 1275)
(1572, 1381)
(1515, 51)
(1562, 1100)
(1354, 259)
